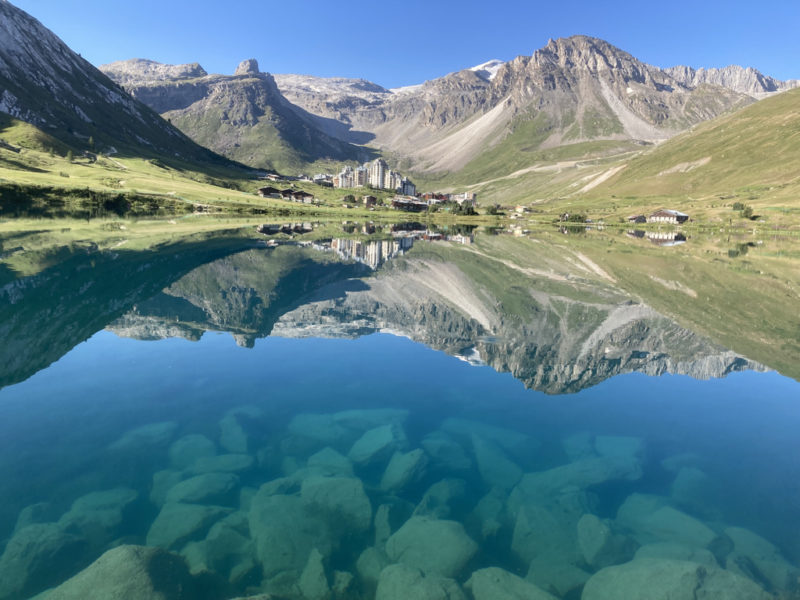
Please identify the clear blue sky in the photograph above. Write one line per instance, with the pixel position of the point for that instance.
(402, 43)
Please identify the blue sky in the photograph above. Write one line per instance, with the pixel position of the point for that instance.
(402, 43)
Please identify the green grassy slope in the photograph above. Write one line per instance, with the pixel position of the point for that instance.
(751, 156)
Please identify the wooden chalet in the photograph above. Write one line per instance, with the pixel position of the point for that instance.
(370, 201)
(269, 192)
(673, 217)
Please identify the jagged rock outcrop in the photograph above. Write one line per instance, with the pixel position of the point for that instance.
(242, 116)
(739, 79)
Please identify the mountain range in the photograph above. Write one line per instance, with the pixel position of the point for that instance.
(574, 90)
(569, 119)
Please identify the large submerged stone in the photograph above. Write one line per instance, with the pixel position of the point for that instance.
(650, 519)
(496, 469)
(135, 573)
(662, 579)
(39, 556)
(100, 516)
(184, 451)
(146, 436)
(210, 488)
(404, 469)
(441, 499)
(377, 445)
(178, 524)
(433, 546)
(497, 584)
(224, 463)
(402, 582)
(340, 500)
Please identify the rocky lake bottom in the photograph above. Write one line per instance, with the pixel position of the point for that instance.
(377, 468)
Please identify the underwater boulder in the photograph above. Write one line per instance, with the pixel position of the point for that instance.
(146, 437)
(186, 450)
(651, 519)
(663, 579)
(765, 557)
(340, 500)
(495, 467)
(446, 453)
(402, 582)
(210, 488)
(100, 516)
(370, 418)
(377, 445)
(133, 572)
(559, 578)
(497, 584)
(313, 582)
(404, 469)
(39, 556)
(435, 547)
(600, 545)
(178, 524)
(442, 499)
(676, 551)
(329, 463)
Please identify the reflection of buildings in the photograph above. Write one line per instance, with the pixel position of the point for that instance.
(666, 238)
(371, 253)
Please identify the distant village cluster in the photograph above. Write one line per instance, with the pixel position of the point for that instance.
(372, 175)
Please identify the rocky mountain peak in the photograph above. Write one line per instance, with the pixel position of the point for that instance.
(747, 80)
(247, 67)
(138, 70)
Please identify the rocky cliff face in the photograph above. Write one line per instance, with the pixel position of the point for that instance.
(574, 89)
(242, 116)
(557, 345)
(739, 79)
(48, 85)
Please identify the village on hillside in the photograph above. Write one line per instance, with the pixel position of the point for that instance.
(375, 175)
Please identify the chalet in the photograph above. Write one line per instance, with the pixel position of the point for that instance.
(673, 217)
(409, 205)
(272, 177)
(304, 197)
(370, 201)
(287, 194)
(269, 192)
(637, 219)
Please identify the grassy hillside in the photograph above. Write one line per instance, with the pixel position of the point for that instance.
(751, 156)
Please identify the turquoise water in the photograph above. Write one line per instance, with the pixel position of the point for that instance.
(298, 424)
(61, 433)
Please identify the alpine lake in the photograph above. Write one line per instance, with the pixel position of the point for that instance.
(220, 409)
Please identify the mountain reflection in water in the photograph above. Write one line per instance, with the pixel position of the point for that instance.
(342, 452)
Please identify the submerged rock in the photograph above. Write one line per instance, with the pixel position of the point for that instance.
(650, 519)
(404, 469)
(545, 531)
(133, 572)
(369, 418)
(330, 463)
(178, 524)
(377, 445)
(663, 579)
(562, 579)
(163, 482)
(186, 450)
(313, 583)
(146, 436)
(39, 556)
(226, 550)
(446, 453)
(370, 564)
(494, 466)
(340, 500)
(389, 518)
(321, 428)
(676, 551)
(210, 488)
(490, 512)
(232, 435)
(441, 499)
(620, 446)
(99, 516)
(285, 530)
(768, 561)
(433, 546)
(402, 582)
(511, 441)
(496, 584)
(41, 512)
(692, 490)
(602, 547)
